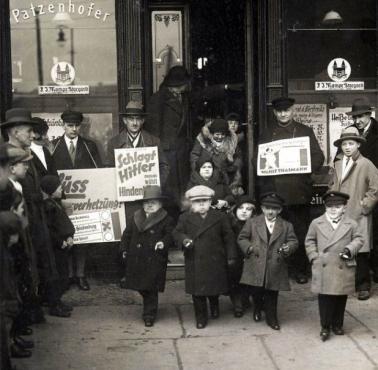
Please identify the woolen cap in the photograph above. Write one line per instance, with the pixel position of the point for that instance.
(177, 76)
(17, 116)
(133, 108)
(282, 103)
(219, 125)
(271, 199)
(349, 133)
(50, 183)
(360, 106)
(199, 192)
(153, 192)
(335, 198)
(71, 116)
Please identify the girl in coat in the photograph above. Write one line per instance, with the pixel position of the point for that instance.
(144, 246)
(332, 243)
(208, 242)
(206, 174)
(266, 241)
(356, 176)
(244, 209)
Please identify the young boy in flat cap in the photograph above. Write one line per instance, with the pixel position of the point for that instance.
(356, 176)
(266, 241)
(332, 243)
(144, 246)
(209, 246)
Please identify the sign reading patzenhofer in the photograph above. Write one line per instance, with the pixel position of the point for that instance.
(135, 168)
(283, 157)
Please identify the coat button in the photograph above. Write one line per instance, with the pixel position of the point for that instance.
(152, 231)
(138, 245)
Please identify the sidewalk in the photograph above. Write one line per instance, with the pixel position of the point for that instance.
(106, 332)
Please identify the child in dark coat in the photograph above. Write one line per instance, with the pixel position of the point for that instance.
(266, 240)
(144, 246)
(209, 246)
(61, 232)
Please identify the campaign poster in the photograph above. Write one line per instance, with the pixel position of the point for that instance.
(314, 116)
(135, 168)
(283, 157)
(94, 191)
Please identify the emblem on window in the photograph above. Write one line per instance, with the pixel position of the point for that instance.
(339, 70)
(63, 73)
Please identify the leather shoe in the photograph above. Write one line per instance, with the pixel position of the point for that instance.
(148, 323)
(363, 295)
(18, 352)
(324, 334)
(25, 331)
(338, 331)
(301, 279)
(65, 306)
(274, 325)
(83, 284)
(72, 281)
(200, 325)
(257, 315)
(22, 343)
(238, 314)
(59, 312)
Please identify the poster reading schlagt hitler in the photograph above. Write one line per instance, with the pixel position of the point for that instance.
(135, 169)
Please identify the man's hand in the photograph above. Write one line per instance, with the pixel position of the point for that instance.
(187, 243)
(345, 255)
(159, 246)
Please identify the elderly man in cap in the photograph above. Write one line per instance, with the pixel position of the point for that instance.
(72, 151)
(357, 176)
(295, 189)
(368, 128)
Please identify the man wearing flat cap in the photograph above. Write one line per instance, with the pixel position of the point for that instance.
(368, 127)
(72, 151)
(296, 189)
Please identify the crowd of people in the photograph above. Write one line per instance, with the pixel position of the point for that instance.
(233, 244)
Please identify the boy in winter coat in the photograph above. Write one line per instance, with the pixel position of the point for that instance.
(144, 246)
(61, 232)
(209, 246)
(332, 243)
(266, 240)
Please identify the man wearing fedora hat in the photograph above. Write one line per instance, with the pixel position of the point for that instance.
(72, 151)
(144, 246)
(357, 176)
(296, 189)
(368, 127)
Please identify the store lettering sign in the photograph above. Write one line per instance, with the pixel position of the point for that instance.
(72, 7)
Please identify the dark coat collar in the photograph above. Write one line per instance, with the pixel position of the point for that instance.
(203, 224)
(262, 229)
(143, 223)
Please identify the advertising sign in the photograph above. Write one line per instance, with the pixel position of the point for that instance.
(283, 157)
(92, 193)
(135, 168)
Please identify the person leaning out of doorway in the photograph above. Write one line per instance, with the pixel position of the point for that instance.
(266, 241)
(144, 248)
(332, 243)
(72, 151)
(356, 176)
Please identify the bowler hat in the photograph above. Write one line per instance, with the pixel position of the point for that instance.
(333, 197)
(360, 106)
(282, 103)
(50, 183)
(19, 155)
(271, 199)
(177, 76)
(133, 108)
(219, 125)
(153, 192)
(199, 192)
(349, 133)
(16, 117)
(71, 116)
(42, 126)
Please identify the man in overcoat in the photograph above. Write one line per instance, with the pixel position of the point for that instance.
(208, 242)
(356, 176)
(295, 189)
(368, 128)
(332, 243)
(144, 245)
(72, 151)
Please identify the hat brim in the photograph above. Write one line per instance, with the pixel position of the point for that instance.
(176, 83)
(361, 139)
(158, 197)
(200, 198)
(359, 112)
(272, 204)
(8, 124)
(125, 114)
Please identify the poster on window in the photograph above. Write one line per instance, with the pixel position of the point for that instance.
(135, 169)
(314, 116)
(283, 157)
(92, 194)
